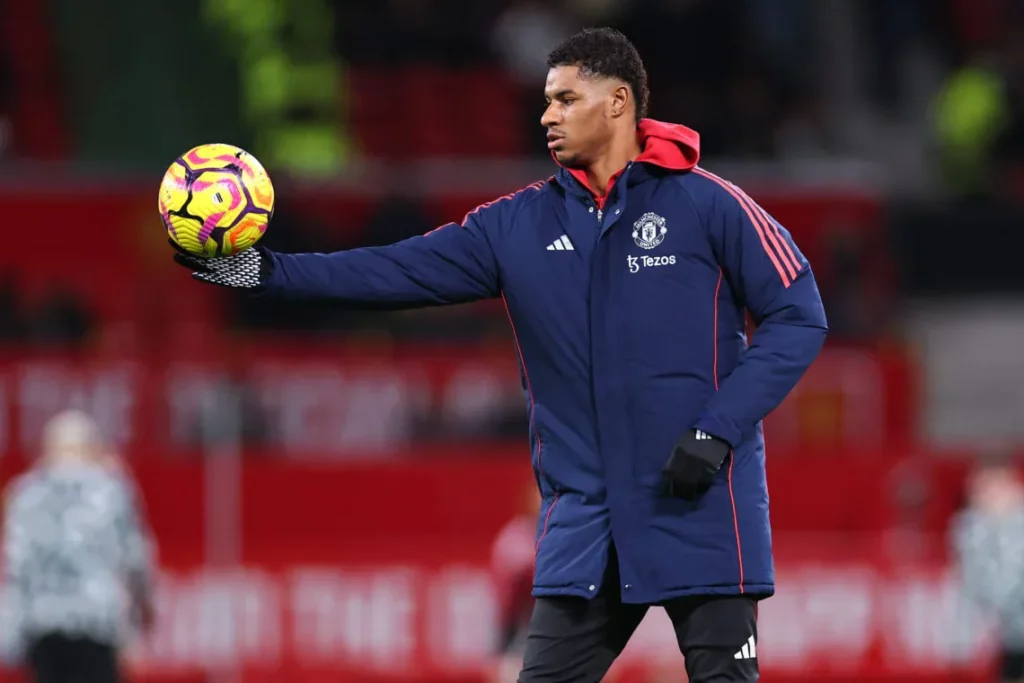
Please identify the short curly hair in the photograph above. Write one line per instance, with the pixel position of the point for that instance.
(605, 52)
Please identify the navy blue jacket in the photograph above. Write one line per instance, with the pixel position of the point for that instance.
(628, 317)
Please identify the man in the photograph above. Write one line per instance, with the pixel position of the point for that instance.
(988, 539)
(73, 543)
(625, 277)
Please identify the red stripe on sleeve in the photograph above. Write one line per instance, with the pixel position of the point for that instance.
(785, 271)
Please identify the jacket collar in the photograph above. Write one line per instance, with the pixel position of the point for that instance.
(668, 146)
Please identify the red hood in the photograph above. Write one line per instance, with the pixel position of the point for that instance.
(667, 145)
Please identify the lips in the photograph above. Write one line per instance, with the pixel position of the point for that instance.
(554, 139)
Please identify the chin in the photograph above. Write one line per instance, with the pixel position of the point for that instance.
(568, 159)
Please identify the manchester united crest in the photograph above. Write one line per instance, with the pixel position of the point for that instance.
(649, 231)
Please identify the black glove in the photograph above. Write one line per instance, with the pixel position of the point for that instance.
(245, 270)
(694, 462)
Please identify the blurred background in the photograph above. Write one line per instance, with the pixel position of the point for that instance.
(336, 493)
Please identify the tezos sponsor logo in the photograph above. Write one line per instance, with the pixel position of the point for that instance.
(637, 262)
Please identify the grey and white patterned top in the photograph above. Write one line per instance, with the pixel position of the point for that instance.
(990, 550)
(74, 547)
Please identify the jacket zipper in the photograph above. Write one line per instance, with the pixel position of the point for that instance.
(600, 214)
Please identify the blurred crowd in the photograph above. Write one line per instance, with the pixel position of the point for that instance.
(930, 92)
(54, 318)
(760, 79)
(913, 85)
(748, 74)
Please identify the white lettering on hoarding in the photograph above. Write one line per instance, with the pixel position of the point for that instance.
(212, 619)
(463, 617)
(930, 621)
(398, 620)
(364, 618)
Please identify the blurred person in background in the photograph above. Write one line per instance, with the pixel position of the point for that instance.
(988, 538)
(74, 545)
(627, 277)
(979, 120)
(512, 558)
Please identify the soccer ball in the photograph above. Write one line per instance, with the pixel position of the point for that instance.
(216, 200)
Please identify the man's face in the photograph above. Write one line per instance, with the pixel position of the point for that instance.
(995, 489)
(579, 115)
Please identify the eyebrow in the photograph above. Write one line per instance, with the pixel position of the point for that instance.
(561, 93)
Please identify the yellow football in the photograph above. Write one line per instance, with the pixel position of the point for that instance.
(216, 200)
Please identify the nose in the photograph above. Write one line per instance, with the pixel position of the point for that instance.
(550, 116)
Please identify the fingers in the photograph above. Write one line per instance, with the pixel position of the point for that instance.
(688, 493)
(209, 278)
(238, 271)
(689, 484)
(187, 260)
(193, 263)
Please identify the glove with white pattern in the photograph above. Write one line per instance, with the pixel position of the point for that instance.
(245, 270)
(694, 463)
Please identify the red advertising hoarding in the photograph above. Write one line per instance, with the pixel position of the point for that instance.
(309, 402)
(382, 572)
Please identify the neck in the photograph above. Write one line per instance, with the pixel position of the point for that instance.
(622, 149)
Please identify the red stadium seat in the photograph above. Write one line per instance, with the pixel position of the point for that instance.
(426, 111)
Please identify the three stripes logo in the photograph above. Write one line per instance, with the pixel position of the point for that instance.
(748, 651)
(561, 244)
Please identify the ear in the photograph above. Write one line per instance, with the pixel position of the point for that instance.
(620, 100)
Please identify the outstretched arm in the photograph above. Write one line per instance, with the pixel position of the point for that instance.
(452, 264)
(455, 263)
